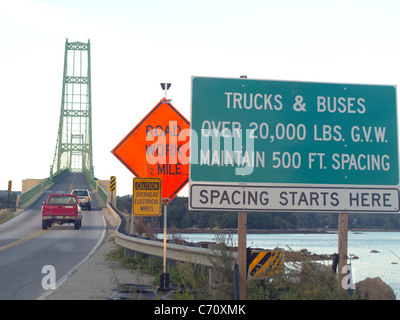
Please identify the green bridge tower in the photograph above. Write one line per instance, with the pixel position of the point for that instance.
(74, 139)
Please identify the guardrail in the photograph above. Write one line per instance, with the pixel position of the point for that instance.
(182, 253)
(95, 186)
(29, 196)
(102, 193)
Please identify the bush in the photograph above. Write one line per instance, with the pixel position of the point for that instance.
(301, 280)
(192, 281)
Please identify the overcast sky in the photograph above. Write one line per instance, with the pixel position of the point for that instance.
(135, 45)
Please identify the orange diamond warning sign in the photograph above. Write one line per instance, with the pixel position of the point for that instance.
(158, 146)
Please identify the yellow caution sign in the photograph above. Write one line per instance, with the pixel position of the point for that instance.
(265, 263)
(146, 199)
(9, 186)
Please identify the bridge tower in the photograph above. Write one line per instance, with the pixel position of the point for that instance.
(74, 139)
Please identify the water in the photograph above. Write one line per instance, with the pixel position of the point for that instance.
(359, 244)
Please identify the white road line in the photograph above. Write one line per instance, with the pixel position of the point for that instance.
(65, 278)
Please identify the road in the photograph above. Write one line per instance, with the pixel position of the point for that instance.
(25, 248)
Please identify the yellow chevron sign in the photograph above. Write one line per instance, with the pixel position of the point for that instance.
(264, 263)
(113, 182)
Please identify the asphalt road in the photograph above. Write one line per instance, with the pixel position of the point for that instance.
(25, 249)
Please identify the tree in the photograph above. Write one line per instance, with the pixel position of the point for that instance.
(180, 217)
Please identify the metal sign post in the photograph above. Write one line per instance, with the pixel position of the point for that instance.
(164, 277)
(342, 244)
(113, 183)
(242, 253)
(9, 192)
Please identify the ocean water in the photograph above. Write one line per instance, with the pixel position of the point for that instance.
(384, 264)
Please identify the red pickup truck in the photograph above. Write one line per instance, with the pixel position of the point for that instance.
(61, 208)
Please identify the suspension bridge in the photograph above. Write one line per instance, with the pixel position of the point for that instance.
(26, 251)
(73, 151)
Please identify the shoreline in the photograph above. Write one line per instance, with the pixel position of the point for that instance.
(267, 231)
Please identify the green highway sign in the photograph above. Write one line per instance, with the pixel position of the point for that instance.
(281, 133)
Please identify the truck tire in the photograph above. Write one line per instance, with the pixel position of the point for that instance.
(45, 225)
(78, 224)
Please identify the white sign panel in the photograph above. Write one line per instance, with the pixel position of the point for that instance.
(223, 197)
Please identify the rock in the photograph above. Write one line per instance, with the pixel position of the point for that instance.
(374, 289)
(374, 251)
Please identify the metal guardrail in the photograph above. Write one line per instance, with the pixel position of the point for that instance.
(36, 190)
(182, 253)
(30, 194)
(92, 181)
(175, 252)
(33, 193)
(89, 178)
(102, 193)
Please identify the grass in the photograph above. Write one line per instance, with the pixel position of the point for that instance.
(5, 215)
(140, 265)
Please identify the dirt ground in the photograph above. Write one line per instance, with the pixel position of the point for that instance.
(96, 278)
